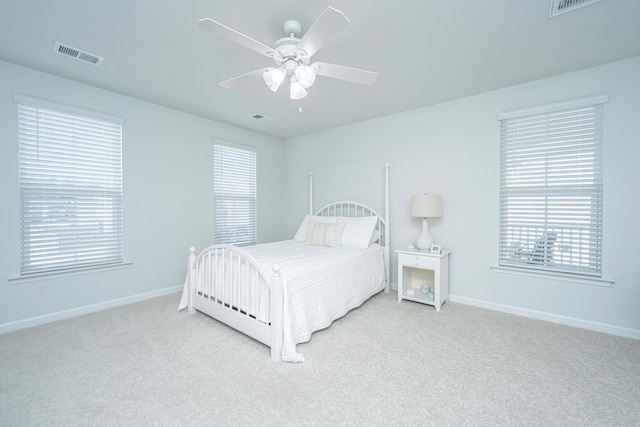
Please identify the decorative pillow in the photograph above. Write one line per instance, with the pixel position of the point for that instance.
(358, 231)
(302, 230)
(324, 234)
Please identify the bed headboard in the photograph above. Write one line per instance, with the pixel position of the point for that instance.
(358, 210)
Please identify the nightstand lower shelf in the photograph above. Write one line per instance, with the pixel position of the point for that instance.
(418, 297)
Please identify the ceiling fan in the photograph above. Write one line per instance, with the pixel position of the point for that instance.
(292, 55)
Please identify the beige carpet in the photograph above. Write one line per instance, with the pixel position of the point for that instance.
(383, 364)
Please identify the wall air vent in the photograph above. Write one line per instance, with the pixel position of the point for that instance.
(78, 54)
(559, 7)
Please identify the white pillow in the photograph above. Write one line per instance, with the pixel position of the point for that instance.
(358, 231)
(375, 237)
(324, 234)
(302, 230)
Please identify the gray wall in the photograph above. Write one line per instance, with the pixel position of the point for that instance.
(453, 149)
(168, 203)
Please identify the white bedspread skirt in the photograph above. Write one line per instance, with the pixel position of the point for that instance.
(320, 285)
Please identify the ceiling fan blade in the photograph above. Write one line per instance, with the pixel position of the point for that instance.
(341, 72)
(245, 78)
(330, 23)
(237, 37)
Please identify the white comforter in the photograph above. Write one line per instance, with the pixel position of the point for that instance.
(320, 285)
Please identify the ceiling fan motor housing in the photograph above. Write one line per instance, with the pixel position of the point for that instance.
(288, 52)
(286, 47)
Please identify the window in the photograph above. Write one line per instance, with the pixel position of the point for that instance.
(551, 188)
(234, 195)
(70, 166)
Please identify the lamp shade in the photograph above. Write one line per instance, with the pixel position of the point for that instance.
(426, 206)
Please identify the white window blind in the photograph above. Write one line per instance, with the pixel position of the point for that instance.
(234, 195)
(70, 169)
(551, 189)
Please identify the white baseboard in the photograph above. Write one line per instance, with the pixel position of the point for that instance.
(550, 317)
(540, 315)
(79, 311)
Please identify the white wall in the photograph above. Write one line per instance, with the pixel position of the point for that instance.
(168, 204)
(453, 149)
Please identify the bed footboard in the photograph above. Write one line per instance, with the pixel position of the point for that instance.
(228, 284)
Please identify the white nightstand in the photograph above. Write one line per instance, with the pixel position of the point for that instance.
(417, 268)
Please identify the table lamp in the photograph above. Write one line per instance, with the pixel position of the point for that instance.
(425, 206)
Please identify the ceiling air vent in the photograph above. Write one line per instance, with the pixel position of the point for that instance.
(261, 117)
(561, 6)
(80, 55)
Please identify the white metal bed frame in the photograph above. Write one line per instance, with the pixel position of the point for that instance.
(226, 300)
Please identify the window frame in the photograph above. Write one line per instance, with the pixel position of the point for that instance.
(59, 178)
(539, 263)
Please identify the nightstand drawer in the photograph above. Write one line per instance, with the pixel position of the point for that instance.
(417, 261)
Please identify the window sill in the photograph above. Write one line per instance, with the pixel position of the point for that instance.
(75, 272)
(586, 280)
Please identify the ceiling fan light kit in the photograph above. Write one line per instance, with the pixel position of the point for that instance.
(306, 75)
(297, 91)
(274, 78)
(292, 55)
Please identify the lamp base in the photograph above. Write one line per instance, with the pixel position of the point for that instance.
(424, 242)
(424, 239)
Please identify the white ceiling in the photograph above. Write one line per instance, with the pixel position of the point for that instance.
(425, 51)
